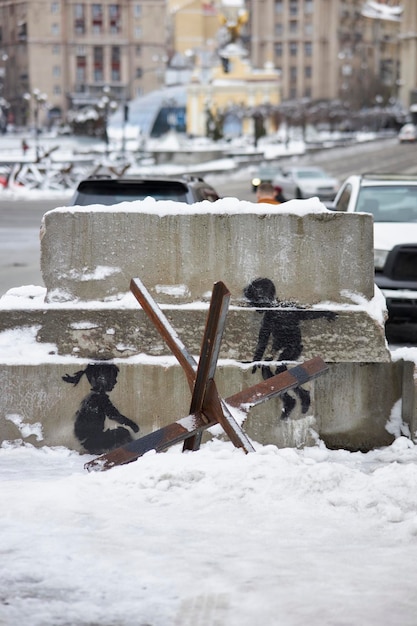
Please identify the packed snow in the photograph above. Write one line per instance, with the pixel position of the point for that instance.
(288, 537)
(214, 537)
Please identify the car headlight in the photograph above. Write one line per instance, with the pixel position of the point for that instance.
(380, 256)
(256, 182)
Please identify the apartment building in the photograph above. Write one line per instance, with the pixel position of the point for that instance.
(328, 49)
(408, 44)
(64, 54)
(73, 54)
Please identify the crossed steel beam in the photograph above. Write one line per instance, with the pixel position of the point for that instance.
(207, 408)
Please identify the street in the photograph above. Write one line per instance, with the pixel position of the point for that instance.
(20, 221)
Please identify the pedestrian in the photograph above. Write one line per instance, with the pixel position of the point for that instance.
(25, 146)
(266, 192)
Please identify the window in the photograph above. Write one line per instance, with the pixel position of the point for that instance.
(55, 30)
(115, 64)
(139, 72)
(98, 69)
(293, 48)
(278, 30)
(57, 90)
(114, 18)
(278, 49)
(22, 32)
(293, 26)
(138, 51)
(278, 6)
(308, 48)
(56, 71)
(79, 19)
(137, 10)
(308, 6)
(307, 71)
(81, 69)
(138, 32)
(293, 74)
(56, 49)
(293, 7)
(97, 18)
(54, 8)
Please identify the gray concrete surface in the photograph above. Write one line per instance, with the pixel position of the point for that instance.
(311, 257)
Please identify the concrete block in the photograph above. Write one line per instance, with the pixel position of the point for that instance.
(355, 402)
(179, 251)
(350, 408)
(409, 396)
(321, 264)
(105, 331)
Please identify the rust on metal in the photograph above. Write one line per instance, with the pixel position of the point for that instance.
(198, 376)
(193, 424)
(207, 407)
(263, 391)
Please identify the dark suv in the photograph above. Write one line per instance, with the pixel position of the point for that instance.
(107, 190)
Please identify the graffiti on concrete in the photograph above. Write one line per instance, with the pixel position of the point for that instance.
(90, 419)
(280, 327)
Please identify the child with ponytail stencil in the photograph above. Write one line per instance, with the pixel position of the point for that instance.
(90, 418)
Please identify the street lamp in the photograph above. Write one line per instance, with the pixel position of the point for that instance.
(106, 105)
(39, 99)
(4, 108)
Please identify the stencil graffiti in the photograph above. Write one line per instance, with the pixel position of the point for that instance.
(280, 327)
(90, 419)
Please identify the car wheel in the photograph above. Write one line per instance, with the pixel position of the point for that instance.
(298, 194)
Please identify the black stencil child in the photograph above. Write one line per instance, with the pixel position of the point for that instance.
(282, 327)
(96, 407)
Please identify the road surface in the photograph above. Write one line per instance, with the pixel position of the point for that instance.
(20, 221)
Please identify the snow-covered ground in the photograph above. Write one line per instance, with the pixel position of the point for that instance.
(290, 537)
(287, 537)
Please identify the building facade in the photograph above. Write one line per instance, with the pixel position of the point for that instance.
(328, 49)
(408, 41)
(79, 53)
(60, 55)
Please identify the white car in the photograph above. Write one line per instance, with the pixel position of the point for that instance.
(408, 134)
(392, 200)
(306, 182)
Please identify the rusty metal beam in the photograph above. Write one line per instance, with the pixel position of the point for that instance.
(193, 424)
(200, 377)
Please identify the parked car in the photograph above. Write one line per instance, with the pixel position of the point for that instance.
(107, 190)
(305, 182)
(265, 174)
(392, 200)
(408, 133)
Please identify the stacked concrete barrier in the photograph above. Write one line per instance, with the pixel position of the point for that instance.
(86, 326)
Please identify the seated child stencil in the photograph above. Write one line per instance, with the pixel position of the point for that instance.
(89, 427)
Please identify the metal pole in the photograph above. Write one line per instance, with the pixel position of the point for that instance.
(36, 128)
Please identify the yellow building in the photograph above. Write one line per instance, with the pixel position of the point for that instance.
(193, 25)
(230, 95)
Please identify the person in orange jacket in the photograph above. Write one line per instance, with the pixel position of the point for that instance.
(266, 192)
